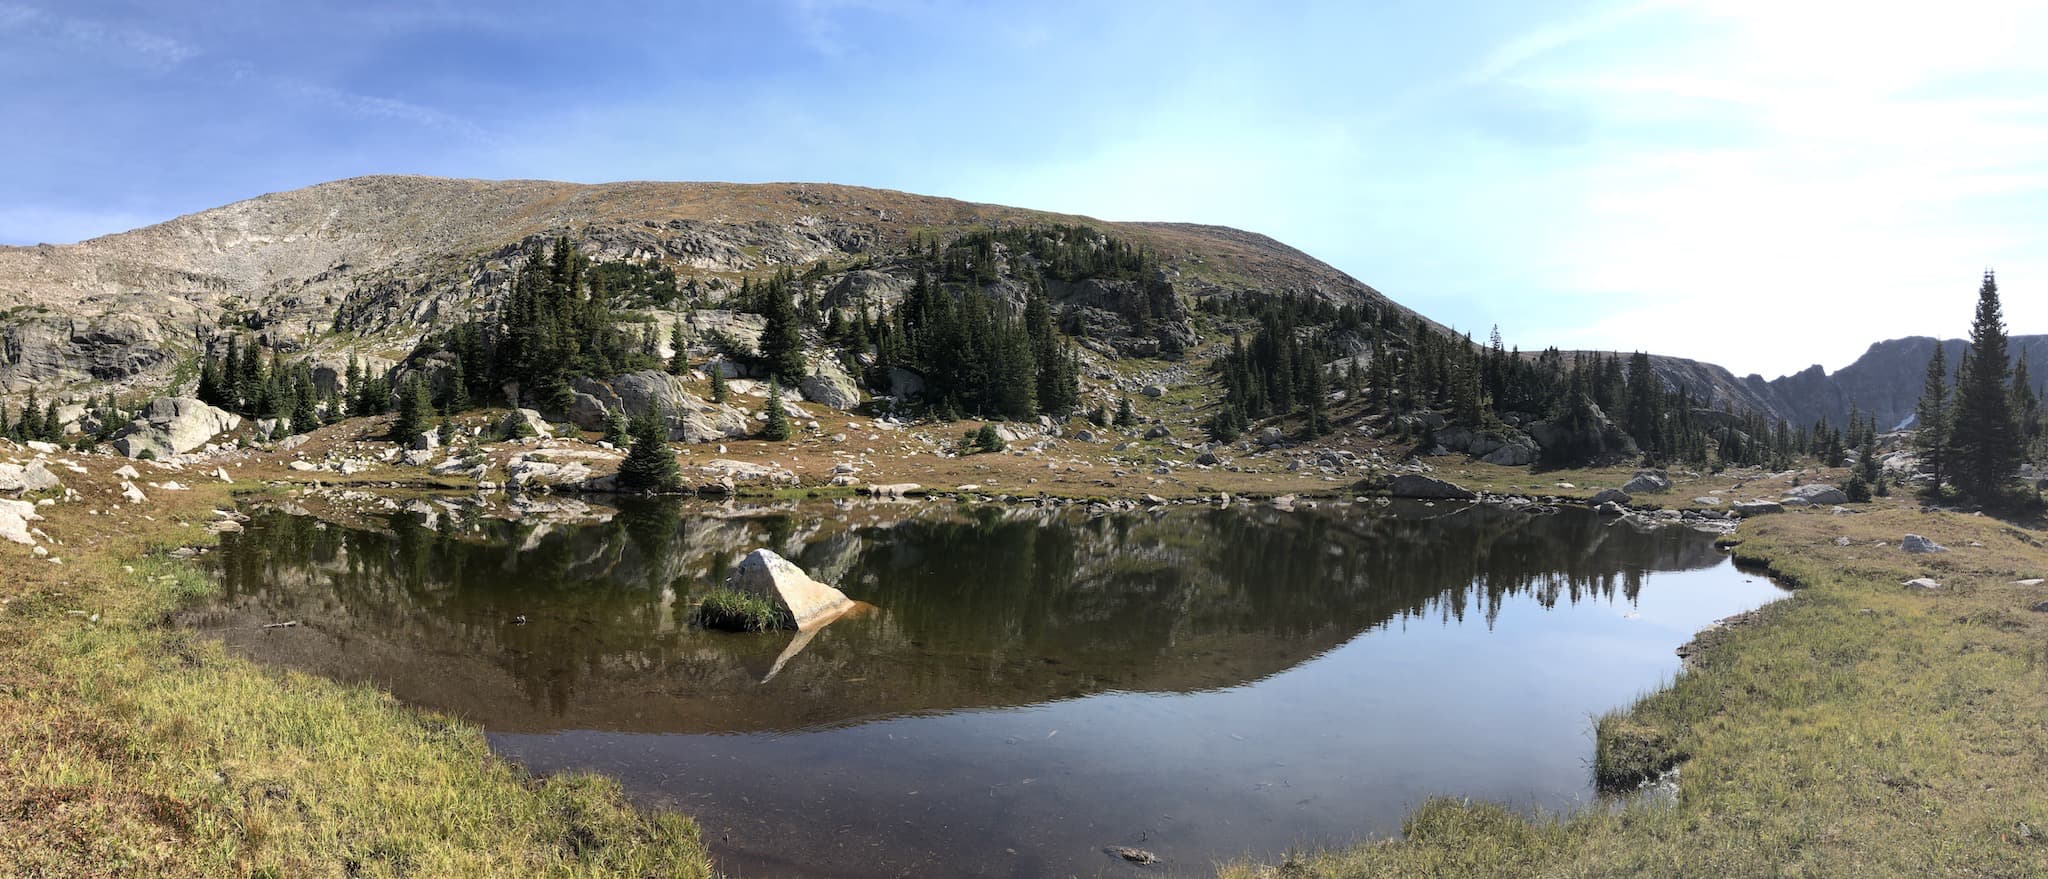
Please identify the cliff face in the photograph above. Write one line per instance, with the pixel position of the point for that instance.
(389, 258)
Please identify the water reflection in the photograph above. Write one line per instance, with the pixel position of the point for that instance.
(1031, 686)
(977, 607)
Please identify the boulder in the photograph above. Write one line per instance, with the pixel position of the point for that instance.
(900, 489)
(1609, 496)
(1610, 508)
(731, 473)
(1208, 459)
(1153, 391)
(904, 383)
(14, 519)
(424, 441)
(1270, 436)
(1819, 493)
(533, 420)
(1757, 508)
(1515, 454)
(1415, 485)
(15, 478)
(1158, 431)
(1922, 584)
(808, 602)
(829, 384)
(1707, 500)
(173, 426)
(1646, 481)
(1914, 543)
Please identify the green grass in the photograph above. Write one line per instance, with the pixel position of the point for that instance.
(129, 747)
(1855, 729)
(735, 611)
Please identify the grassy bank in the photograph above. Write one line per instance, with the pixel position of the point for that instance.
(1855, 729)
(133, 749)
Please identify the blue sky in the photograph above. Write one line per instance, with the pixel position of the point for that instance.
(1763, 185)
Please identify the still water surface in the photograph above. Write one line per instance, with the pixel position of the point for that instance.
(1030, 686)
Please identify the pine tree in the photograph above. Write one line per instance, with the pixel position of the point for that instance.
(718, 389)
(987, 440)
(53, 425)
(355, 379)
(1125, 415)
(305, 417)
(679, 362)
(650, 466)
(413, 406)
(778, 420)
(1986, 440)
(616, 430)
(1932, 418)
(457, 397)
(782, 345)
(446, 431)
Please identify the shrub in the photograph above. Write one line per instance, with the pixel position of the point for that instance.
(735, 611)
(987, 440)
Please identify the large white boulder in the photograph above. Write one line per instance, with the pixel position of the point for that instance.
(829, 384)
(807, 601)
(173, 426)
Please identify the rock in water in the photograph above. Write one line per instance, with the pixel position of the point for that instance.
(1418, 486)
(809, 602)
(1916, 544)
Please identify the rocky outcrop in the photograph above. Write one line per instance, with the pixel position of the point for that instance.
(808, 602)
(17, 479)
(173, 426)
(1756, 508)
(829, 384)
(691, 418)
(14, 519)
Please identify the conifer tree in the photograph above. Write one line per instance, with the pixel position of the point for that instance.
(1125, 415)
(650, 466)
(1932, 418)
(782, 344)
(456, 399)
(446, 431)
(718, 388)
(1986, 441)
(616, 430)
(679, 362)
(304, 416)
(413, 406)
(777, 429)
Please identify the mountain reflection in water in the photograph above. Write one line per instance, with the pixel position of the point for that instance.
(1489, 633)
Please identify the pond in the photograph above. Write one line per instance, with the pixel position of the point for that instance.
(1031, 685)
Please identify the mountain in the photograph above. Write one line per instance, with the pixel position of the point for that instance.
(386, 259)
(1885, 381)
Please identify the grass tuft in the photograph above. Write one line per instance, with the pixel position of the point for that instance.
(734, 611)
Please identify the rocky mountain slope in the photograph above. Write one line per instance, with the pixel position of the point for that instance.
(371, 263)
(1885, 381)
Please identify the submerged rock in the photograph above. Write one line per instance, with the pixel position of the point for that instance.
(808, 602)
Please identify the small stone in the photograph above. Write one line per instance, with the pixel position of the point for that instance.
(1922, 584)
(1134, 855)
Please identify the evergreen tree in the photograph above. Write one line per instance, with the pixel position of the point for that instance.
(1986, 440)
(456, 397)
(1931, 418)
(616, 430)
(446, 431)
(1125, 415)
(413, 406)
(355, 378)
(987, 440)
(1318, 416)
(718, 388)
(305, 417)
(678, 362)
(53, 425)
(650, 466)
(777, 429)
(782, 344)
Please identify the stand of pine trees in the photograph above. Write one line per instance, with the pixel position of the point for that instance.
(244, 380)
(1976, 436)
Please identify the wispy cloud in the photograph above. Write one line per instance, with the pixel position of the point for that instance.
(375, 107)
(145, 47)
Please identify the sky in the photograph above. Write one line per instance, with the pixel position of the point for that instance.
(1764, 185)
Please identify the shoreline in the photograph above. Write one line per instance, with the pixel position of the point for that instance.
(89, 656)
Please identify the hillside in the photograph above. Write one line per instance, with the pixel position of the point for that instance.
(392, 257)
